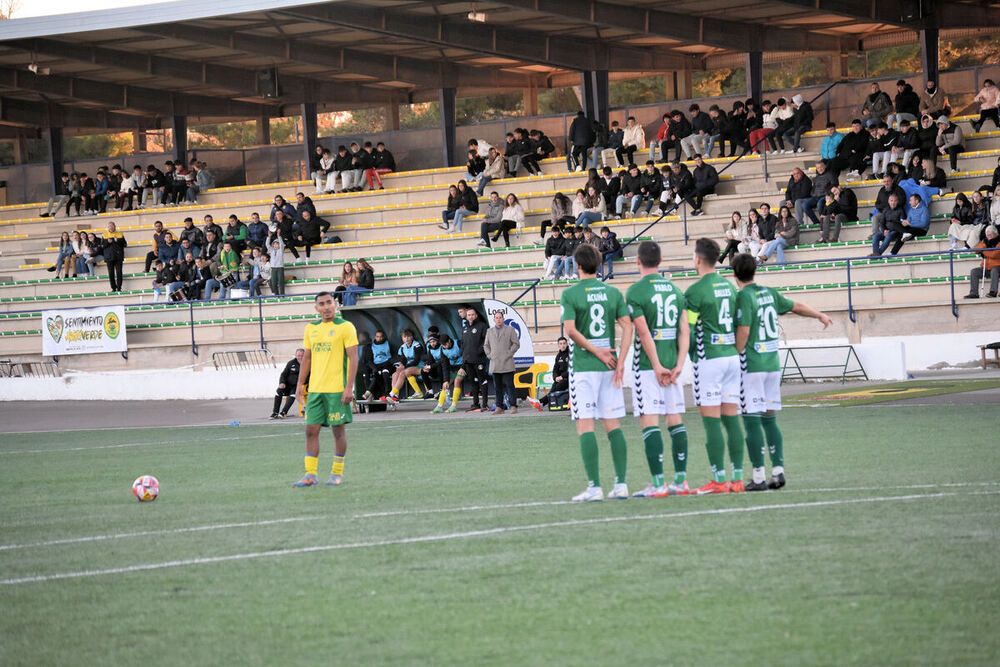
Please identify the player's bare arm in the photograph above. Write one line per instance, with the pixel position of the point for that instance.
(742, 336)
(625, 322)
(808, 311)
(352, 371)
(300, 390)
(606, 355)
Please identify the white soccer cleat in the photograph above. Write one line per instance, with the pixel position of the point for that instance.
(618, 492)
(589, 495)
(651, 492)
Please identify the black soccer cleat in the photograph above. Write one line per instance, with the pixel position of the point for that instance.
(274, 415)
(756, 486)
(777, 481)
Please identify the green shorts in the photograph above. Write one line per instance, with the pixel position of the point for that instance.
(326, 409)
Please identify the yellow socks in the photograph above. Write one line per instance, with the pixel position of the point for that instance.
(311, 464)
(338, 465)
(442, 397)
(456, 393)
(413, 383)
(395, 391)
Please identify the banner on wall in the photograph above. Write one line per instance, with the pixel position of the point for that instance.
(83, 331)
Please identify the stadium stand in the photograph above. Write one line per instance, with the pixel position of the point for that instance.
(396, 229)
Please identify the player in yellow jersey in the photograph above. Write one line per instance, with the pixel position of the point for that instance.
(330, 363)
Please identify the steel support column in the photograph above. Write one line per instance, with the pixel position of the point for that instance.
(929, 54)
(55, 137)
(595, 95)
(755, 75)
(310, 135)
(447, 99)
(180, 127)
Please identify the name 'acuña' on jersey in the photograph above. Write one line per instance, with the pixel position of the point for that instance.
(593, 307)
(711, 307)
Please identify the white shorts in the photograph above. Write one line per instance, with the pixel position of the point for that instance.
(593, 395)
(649, 397)
(761, 392)
(717, 381)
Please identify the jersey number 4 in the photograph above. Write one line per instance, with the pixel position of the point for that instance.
(725, 316)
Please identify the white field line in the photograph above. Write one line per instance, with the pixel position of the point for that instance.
(443, 510)
(277, 553)
(144, 444)
(148, 533)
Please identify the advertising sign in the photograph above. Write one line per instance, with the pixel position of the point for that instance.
(83, 330)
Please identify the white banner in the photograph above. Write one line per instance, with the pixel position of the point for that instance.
(83, 331)
(525, 355)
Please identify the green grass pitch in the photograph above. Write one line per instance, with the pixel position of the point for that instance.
(451, 543)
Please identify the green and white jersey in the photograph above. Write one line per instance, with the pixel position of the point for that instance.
(661, 303)
(711, 308)
(593, 307)
(758, 307)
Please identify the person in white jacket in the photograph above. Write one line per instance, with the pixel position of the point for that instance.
(633, 139)
(989, 105)
(326, 177)
(782, 113)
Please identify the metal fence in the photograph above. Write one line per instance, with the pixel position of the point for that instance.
(421, 148)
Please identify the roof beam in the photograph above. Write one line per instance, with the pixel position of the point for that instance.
(383, 67)
(570, 53)
(866, 10)
(721, 33)
(240, 81)
(149, 101)
(38, 114)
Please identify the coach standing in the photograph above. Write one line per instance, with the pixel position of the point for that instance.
(501, 343)
(473, 340)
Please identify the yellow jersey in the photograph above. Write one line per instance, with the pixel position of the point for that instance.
(327, 343)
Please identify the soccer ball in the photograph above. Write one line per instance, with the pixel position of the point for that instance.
(145, 488)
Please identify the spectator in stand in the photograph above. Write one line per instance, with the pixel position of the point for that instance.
(611, 250)
(348, 278)
(915, 222)
(678, 131)
(185, 187)
(907, 144)
(681, 185)
(786, 235)
(573, 236)
(632, 141)
(303, 203)
(616, 142)
(229, 265)
(202, 274)
(155, 246)
(492, 170)
(706, 178)
(762, 128)
(882, 147)
(752, 242)
(720, 132)
(558, 396)
(372, 172)
(491, 219)
(194, 236)
(284, 227)
(213, 276)
(610, 185)
(595, 208)
(96, 252)
(579, 205)
(114, 255)
(828, 148)
(631, 192)
(877, 106)
(363, 282)
(281, 205)
(847, 203)
(317, 169)
(989, 102)
(581, 138)
(481, 146)
(115, 178)
(949, 141)
(934, 101)
(830, 219)
(822, 183)
(927, 136)
(60, 196)
(385, 162)
(359, 162)
(168, 252)
(342, 169)
(257, 232)
(204, 178)
(526, 150)
(130, 188)
(65, 257)
(555, 254)
(213, 246)
(100, 194)
(88, 190)
(236, 234)
(907, 105)
(310, 232)
(650, 187)
(662, 142)
(889, 223)
(277, 266)
(602, 140)
(995, 184)
(474, 166)
(851, 152)
(75, 194)
(989, 250)
(500, 345)
(541, 146)
(259, 272)
(740, 123)
(562, 214)
(153, 187)
(701, 133)
(186, 276)
(511, 156)
(800, 122)
(888, 189)
(962, 232)
(768, 223)
(161, 281)
(462, 202)
(512, 218)
(782, 115)
(736, 234)
(798, 192)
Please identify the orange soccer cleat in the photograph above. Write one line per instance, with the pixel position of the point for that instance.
(712, 487)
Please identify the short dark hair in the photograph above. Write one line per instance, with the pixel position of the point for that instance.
(708, 250)
(319, 295)
(744, 267)
(587, 258)
(409, 332)
(368, 144)
(831, 124)
(562, 338)
(694, 107)
(649, 254)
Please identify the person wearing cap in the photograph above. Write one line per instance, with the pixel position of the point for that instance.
(907, 105)
(949, 140)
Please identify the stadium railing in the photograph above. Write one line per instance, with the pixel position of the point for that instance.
(795, 367)
(230, 360)
(32, 369)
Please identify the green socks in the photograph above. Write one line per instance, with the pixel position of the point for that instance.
(716, 447)
(588, 449)
(775, 443)
(679, 450)
(619, 454)
(755, 439)
(734, 436)
(652, 438)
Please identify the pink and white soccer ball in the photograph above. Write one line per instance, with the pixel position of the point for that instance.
(146, 488)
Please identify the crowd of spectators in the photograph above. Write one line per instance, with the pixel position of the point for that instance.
(356, 168)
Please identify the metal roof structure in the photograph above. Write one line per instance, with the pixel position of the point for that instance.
(136, 66)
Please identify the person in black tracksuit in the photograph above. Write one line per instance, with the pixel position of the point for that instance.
(286, 386)
(558, 394)
(436, 373)
(474, 366)
(382, 367)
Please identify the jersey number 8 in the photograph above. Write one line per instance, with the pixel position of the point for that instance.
(597, 323)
